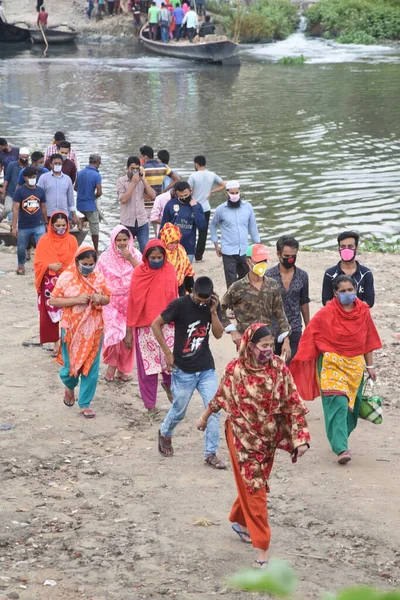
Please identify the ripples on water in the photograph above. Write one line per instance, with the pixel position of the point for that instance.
(315, 147)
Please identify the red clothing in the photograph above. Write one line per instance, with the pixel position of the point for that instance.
(42, 17)
(332, 329)
(68, 168)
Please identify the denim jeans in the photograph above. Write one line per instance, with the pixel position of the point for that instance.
(164, 33)
(183, 387)
(23, 241)
(142, 234)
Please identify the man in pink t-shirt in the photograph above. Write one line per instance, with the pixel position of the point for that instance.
(158, 208)
(42, 17)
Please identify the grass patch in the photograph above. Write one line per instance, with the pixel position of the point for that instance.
(292, 60)
(388, 245)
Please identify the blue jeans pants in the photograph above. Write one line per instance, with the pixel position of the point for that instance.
(23, 241)
(164, 33)
(142, 234)
(183, 387)
(88, 386)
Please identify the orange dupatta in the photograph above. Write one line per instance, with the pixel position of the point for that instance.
(171, 234)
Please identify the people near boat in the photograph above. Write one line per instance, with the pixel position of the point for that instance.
(334, 352)
(158, 208)
(3, 17)
(11, 175)
(101, 9)
(58, 188)
(348, 265)
(54, 253)
(294, 287)
(204, 184)
(153, 21)
(153, 287)
(191, 21)
(42, 18)
(206, 28)
(200, 6)
(88, 191)
(237, 222)
(59, 136)
(155, 172)
(191, 362)
(68, 166)
(255, 297)
(29, 215)
(164, 20)
(178, 15)
(185, 212)
(171, 236)
(81, 292)
(137, 23)
(90, 8)
(37, 161)
(117, 263)
(8, 153)
(110, 7)
(133, 190)
(264, 414)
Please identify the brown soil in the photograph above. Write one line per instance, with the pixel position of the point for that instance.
(94, 507)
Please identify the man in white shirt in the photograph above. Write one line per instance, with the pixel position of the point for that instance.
(192, 22)
(202, 183)
(158, 208)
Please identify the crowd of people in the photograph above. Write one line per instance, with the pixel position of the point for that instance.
(145, 303)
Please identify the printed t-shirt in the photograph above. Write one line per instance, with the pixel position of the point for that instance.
(30, 212)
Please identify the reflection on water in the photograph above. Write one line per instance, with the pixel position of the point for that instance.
(315, 147)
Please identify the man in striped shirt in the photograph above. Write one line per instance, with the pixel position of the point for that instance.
(155, 172)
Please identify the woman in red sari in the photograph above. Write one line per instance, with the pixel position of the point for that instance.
(54, 253)
(264, 413)
(334, 351)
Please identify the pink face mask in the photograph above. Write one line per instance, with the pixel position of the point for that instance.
(234, 197)
(347, 254)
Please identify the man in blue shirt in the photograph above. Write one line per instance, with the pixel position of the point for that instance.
(237, 222)
(11, 179)
(88, 187)
(179, 15)
(187, 214)
(58, 189)
(37, 161)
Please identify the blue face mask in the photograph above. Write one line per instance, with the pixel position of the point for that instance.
(85, 270)
(156, 264)
(346, 298)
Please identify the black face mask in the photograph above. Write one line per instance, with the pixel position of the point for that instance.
(23, 161)
(288, 263)
(234, 204)
(185, 200)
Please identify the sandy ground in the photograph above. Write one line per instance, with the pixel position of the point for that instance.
(94, 507)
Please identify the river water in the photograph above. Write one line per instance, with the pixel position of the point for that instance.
(316, 147)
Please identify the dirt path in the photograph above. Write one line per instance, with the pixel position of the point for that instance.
(92, 505)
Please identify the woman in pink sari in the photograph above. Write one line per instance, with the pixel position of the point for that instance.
(117, 264)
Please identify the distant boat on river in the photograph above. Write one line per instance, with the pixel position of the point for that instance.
(57, 34)
(12, 33)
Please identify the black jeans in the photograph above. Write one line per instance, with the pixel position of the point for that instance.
(235, 267)
(202, 239)
(294, 339)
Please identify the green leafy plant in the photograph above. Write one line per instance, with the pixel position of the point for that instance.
(292, 60)
(389, 245)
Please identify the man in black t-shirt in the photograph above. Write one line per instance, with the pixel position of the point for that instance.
(192, 362)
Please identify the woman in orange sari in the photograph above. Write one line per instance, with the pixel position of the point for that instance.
(54, 253)
(264, 413)
(81, 292)
(171, 235)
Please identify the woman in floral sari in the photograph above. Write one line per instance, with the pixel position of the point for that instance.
(335, 349)
(81, 292)
(117, 264)
(264, 413)
(54, 253)
(171, 235)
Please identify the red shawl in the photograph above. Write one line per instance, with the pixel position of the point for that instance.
(332, 329)
(151, 290)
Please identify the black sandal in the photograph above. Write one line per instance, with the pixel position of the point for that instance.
(213, 461)
(165, 443)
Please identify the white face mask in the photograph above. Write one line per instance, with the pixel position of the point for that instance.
(32, 181)
(57, 168)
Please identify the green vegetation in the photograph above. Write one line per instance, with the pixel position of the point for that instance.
(292, 60)
(261, 21)
(355, 21)
(389, 245)
(279, 580)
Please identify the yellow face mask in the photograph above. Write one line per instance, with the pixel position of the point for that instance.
(260, 268)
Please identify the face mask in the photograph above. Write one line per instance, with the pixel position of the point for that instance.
(32, 181)
(57, 168)
(156, 264)
(234, 197)
(185, 200)
(64, 157)
(260, 268)
(288, 263)
(347, 254)
(61, 231)
(23, 160)
(85, 270)
(202, 304)
(262, 356)
(346, 298)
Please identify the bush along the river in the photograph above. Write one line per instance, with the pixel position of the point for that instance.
(259, 21)
(355, 21)
(292, 60)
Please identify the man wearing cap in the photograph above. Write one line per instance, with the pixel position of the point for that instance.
(256, 299)
(237, 221)
(11, 179)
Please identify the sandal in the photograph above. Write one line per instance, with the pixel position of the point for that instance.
(260, 564)
(69, 397)
(124, 377)
(168, 391)
(20, 271)
(244, 535)
(344, 458)
(109, 376)
(165, 445)
(213, 461)
(152, 413)
(88, 413)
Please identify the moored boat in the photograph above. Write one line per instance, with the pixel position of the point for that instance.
(57, 34)
(13, 33)
(211, 49)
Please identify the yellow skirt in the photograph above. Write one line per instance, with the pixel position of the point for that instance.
(341, 375)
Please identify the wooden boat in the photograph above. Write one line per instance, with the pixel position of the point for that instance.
(208, 50)
(57, 34)
(7, 239)
(12, 33)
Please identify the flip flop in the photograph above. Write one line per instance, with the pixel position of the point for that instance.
(344, 458)
(260, 564)
(244, 535)
(88, 413)
(69, 398)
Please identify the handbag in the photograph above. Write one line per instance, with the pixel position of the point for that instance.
(371, 404)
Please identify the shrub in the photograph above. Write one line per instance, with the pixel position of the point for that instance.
(292, 60)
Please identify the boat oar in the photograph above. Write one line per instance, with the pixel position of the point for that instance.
(44, 38)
